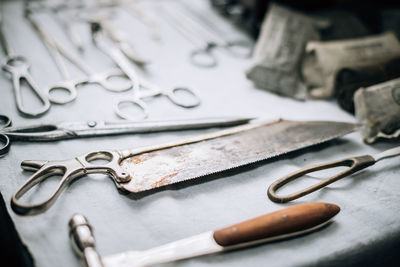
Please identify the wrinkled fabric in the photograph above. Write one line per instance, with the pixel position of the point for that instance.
(377, 108)
(324, 59)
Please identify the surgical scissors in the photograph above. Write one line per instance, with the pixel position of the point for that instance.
(141, 88)
(69, 130)
(18, 67)
(71, 85)
(192, 30)
(355, 164)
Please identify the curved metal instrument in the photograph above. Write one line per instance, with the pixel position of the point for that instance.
(18, 67)
(355, 164)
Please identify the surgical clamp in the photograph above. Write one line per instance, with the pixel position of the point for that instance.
(68, 84)
(18, 67)
(152, 90)
(192, 30)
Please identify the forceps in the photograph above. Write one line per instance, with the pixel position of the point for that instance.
(202, 56)
(355, 164)
(70, 85)
(18, 67)
(141, 88)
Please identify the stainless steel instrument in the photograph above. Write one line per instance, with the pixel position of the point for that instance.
(285, 223)
(355, 164)
(68, 84)
(69, 130)
(205, 39)
(18, 67)
(141, 169)
(142, 89)
(143, 16)
(120, 41)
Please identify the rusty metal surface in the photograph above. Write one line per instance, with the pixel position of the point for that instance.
(188, 161)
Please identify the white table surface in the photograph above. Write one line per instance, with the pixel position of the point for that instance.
(369, 219)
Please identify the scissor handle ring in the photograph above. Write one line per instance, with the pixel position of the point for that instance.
(21, 72)
(42, 174)
(102, 79)
(240, 49)
(6, 147)
(9, 67)
(6, 121)
(172, 95)
(124, 115)
(355, 164)
(203, 57)
(68, 86)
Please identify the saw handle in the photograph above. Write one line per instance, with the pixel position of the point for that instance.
(281, 224)
(83, 242)
(355, 164)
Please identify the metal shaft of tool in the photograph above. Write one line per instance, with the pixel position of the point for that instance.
(114, 54)
(199, 18)
(51, 46)
(190, 247)
(8, 50)
(198, 27)
(143, 16)
(58, 51)
(186, 31)
(66, 22)
(388, 154)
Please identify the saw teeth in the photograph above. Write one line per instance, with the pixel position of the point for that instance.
(170, 173)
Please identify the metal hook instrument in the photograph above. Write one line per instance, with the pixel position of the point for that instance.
(142, 88)
(68, 84)
(18, 67)
(355, 164)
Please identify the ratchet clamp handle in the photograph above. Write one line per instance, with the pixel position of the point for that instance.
(355, 164)
(69, 170)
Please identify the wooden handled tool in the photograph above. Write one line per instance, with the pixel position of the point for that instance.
(281, 224)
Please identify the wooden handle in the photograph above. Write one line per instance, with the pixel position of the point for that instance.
(280, 224)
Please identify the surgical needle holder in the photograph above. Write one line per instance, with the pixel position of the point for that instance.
(68, 84)
(18, 67)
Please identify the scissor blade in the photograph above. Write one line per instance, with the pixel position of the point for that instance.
(182, 249)
(91, 128)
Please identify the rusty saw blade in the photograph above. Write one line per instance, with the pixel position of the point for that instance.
(224, 150)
